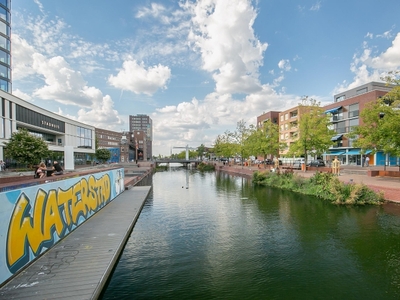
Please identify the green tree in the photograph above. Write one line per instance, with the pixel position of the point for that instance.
(201, 151)
(314, 130)
(223, 145)
(26, 148)
(103, 154)
(265, 140)
(381, 122)
(239, 138)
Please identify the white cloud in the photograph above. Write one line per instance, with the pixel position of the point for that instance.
(369, 35)
(137, 78)
(284, 64)
(22, 95)
(222, 32)
(386, 35)
(367, 67)
(200, 121)
(316, 6)
(22, 53)
(62, 84)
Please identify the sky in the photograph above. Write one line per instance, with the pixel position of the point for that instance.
(196, 68)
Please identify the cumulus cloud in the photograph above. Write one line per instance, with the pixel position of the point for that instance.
(137, 78)
(222, 33)
(369, 67)
(200, 121)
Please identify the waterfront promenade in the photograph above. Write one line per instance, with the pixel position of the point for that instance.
(390, 186)
(79, 266)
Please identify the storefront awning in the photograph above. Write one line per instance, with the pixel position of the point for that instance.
(335, 153)
(368, 152)
(333, 110)
(337, 137)
(353, 152)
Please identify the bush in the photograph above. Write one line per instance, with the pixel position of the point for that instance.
(326, 186)
(205, 167)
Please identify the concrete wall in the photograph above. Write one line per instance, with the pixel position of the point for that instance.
(33, 219)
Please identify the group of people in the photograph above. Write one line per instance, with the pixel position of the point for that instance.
(43, 171)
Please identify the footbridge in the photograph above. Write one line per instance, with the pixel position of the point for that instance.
(184, 162)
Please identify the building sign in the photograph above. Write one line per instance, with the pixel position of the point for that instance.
(31, 117)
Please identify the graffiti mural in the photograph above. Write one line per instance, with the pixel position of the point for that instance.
(33, 219)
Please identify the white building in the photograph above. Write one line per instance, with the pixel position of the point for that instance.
(73, 140)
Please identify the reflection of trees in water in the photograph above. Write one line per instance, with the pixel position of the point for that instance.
(232, 183)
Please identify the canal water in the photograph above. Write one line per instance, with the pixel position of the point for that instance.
(215, 236)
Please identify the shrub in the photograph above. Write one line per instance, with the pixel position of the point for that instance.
(326, 186)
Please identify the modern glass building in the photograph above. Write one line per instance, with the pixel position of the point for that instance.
(71, 140)
(5, 46)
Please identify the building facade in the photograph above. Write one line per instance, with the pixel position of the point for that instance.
(145, 124)
(289, 127)
(70, 140)
(344, 116)
(120, 144)
(271, 115)
(5, 46)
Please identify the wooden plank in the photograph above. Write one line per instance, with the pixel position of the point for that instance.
(79, 265)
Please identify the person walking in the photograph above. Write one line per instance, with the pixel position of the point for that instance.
(367, 161)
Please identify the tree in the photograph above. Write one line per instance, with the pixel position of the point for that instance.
(239, 138)
(26, 148)
(223, 145)
(381, 122)
(201, 151)
(264, 141)
(103, 154)
(314, 132)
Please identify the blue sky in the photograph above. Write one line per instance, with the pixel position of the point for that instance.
(196, 67)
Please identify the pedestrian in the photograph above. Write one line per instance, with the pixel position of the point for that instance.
(2, 165)
(367, 161)
(336, 166)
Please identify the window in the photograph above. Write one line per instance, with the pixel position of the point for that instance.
(4, 43)
(353, 123)
(340, 98)
(4, 28)
(362, 91)
(353, 110)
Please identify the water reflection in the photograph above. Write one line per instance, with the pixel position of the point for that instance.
(223, 238)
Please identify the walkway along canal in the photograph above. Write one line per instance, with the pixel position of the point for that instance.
(78, 265)
(223, 238)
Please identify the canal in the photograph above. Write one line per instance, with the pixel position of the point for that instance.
(215, 236)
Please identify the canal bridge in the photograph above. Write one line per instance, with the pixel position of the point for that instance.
(185, 162)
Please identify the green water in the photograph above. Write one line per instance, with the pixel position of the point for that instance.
(208, 236)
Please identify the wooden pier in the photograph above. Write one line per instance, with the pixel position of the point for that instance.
(79, 266)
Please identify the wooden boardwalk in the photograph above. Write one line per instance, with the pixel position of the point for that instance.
(78, 266)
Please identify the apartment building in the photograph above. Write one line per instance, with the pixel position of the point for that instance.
(120, 144)
(271, 115)
(344, 116)
(289, 126)
(144, 124)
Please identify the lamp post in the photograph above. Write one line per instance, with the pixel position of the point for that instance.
(136, 149)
